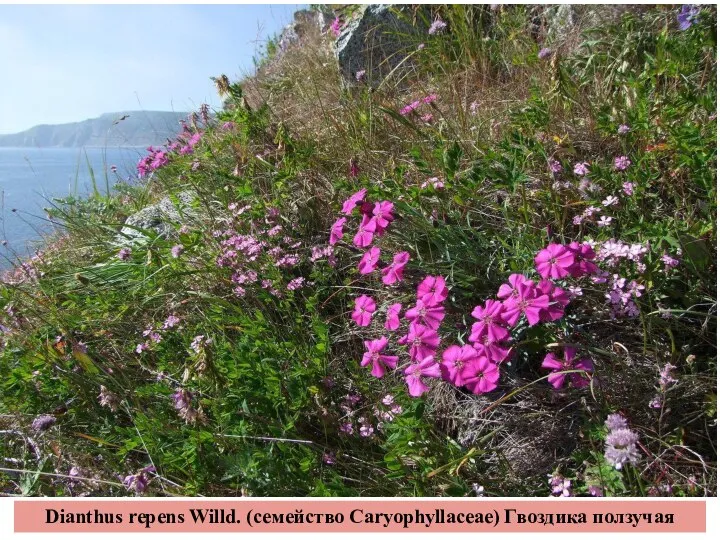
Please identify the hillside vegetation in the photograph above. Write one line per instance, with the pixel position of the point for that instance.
(493, 272)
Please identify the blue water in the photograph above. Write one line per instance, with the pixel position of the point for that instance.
(31, 177)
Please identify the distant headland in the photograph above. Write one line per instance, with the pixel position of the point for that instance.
(125, 128)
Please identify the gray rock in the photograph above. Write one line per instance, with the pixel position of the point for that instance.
(157, 218)
(375, 41)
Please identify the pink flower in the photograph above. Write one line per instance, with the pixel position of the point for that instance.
(435, 182)
(430, 98)
(336, 26)
(508, 291)
(480, 375)
(432, 290)
(383, 215)
(604, 221)
(373, 356)
(569, 363)
(559, 298)
(394, 272)
(392, 321)
(336, 231)
(414, 373)
(426, 315)
(369, 261)
(423, 341)
(492, 351)
(354, 200)
(529, 301)
(364, 309)
(407, 109)
(454, 360)
(489, 323)
(554, 261)
(366, 233)
(583, 253)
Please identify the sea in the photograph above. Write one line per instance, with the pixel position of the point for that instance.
(31, 178)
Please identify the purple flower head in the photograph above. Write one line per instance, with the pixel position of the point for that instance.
(581, 168)
(687, 16)
(623, 129)
(124, 254)
(544, 53)
(622, 163)
(584, 255)
(615, 421)
(43, 422)
(407, 109)
(560, 486)
(511, 290)
(295, 284)
(555, 166)
(170, 322)
(437, 26)
(177, 250)
(383, 215)
(666, 376)
(620, 448)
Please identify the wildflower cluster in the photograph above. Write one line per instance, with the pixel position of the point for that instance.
(254, 250)
(183, 145)
(154, 333)
(357, 418)
(415, 105)
(474, 366)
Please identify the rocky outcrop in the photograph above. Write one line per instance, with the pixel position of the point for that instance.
(377, 42)
(302, 21)
(159, 218)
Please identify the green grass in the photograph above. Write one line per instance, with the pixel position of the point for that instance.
(269, 391)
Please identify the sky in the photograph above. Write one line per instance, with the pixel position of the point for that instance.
(67, 63)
